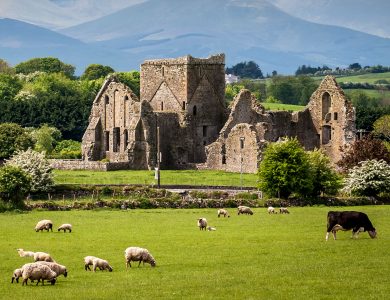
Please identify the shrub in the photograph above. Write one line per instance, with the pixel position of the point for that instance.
(14, 184)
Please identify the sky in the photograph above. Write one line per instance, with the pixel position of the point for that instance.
(370, 16)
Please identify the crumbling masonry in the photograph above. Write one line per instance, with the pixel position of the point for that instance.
(184, 98)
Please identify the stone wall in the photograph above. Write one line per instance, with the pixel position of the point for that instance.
(78, 164)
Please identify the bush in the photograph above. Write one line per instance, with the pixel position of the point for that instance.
(14, 184)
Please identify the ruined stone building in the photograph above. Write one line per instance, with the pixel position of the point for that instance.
(184, 98)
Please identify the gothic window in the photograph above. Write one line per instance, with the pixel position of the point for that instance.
(326, 103)
(116, 139)
(107, 140)
(125, 138)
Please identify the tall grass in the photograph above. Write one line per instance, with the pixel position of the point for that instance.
(249, 257)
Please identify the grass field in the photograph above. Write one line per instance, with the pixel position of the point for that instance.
(280, 106)
(168, 177)
(248, 257)
(369, 77)
(371, 93)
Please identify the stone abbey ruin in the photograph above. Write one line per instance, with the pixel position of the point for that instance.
(181, 111)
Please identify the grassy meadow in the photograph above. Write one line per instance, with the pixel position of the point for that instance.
(249, 257)
(281, 106)
(167, 177)
(368, 77)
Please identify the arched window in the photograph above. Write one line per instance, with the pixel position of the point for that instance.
(326, 103)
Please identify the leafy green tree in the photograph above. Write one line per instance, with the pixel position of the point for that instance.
(131, 79)
(67, 149)
(96, 71)
(9, 87)
(45, 138)
(14, 184)
(285, 169)
(367, 148)
(5, 67)
(382, 127)
(325, 178)
(369, 178)
(231, 91)
(45, 64)
(37, 166)
(354, 66)
(13, 138)
(246, 70)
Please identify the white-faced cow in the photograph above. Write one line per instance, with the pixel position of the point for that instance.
(347, 220)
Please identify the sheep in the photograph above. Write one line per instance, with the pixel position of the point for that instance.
(202, 223)
(284, 210)
(37, 271)
(101, 264)
(244, 210)
(271, 210)
(59, 269)
(16, 275)
(88, 261)
(223, 212)
(65, 227)
(138, 254)
(42, 256)
(44, 224)
(23, 253)
(211, 228)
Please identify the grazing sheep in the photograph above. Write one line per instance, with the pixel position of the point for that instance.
(65, 227)
(42, 256)
(211, 228)
(57, 268)
(138, 254)
(88, 261)
(16, 275)
(223, 212)
(37, 271)
(101, 264)
(44, 224)
(271, 210)
(244, 210)
(284, 210)
(202, 223)
(23, 253)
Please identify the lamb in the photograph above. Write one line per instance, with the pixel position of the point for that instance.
(65, 227)
(202, 223)
(16, 275)
(37, 271)
(284, 210)
(139, 254)
(271, 210)
(23, 253)
(42, 256)
(101, 264)
(88, 261)
(244, 210)
(44, 224)
(57, 268)
(209, 228)
(223, 212)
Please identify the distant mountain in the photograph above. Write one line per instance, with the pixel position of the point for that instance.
(242, 29)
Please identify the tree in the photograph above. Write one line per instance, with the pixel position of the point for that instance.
(366, 148)
(325, 178)
(45, 64)
(5, 67)
(37, 166)
(285, 169)
(13, 138)
(96, 71)
(14, 184)
(131, 79)
(354, 66)
(246, 70)
(231, 91)
(382, 127)
(369, 178)
(45, 138)
(67, 149)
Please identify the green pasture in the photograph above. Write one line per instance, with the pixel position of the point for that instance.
(371, 93)
(368, 77)
(248, 257)
(281, 106)
(167, 177)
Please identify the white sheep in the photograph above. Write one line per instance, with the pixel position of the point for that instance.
(223, 212)
(65, 227)
(44, 224)
(209, 228)
(57, 268)
(244, 210)
(284, 210)
(37, 271)
(16, 275)
(42, 256)
(202, 223)
(271, 210)
(101, 264)
(139, 254)
(88, 261)
(23, 253)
